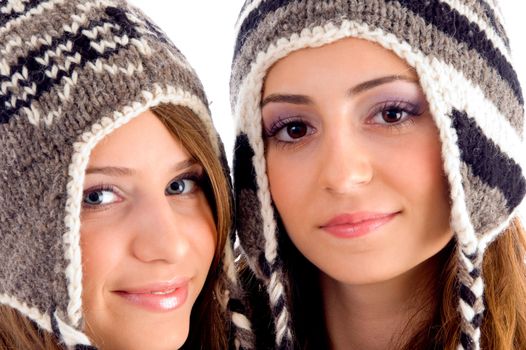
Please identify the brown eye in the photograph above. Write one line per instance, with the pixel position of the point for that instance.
(392, 115)
(290, 131)
(296, 130)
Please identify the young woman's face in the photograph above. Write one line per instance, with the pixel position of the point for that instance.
(147, 238)
(354, 161)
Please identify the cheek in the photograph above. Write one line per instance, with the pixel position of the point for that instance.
(102, 249)
(289, 183)
(202, 232)
(414, 166)
(429, 183)
(422, 183)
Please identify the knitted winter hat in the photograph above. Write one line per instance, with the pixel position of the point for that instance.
(71, 72)
(462, 57)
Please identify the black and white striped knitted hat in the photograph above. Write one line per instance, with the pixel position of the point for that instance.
(71, 72)
(461, 54)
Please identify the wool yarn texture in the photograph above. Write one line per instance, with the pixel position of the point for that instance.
(461, 54)
(71, 72)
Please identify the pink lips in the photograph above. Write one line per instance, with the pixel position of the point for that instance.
(158, 297)
(356, 224)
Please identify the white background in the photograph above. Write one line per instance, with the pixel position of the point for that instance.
(204, 31)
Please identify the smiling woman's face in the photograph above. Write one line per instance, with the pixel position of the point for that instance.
(354, 161)
(147, 238)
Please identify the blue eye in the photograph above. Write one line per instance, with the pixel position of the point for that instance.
(181, 186)
(99, 197)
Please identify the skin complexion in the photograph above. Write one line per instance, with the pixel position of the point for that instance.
(355, 170)
(147, 238)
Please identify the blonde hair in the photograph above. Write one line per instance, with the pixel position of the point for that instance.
(208, 326)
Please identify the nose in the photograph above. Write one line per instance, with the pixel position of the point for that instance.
(159, 233)
(345, 162)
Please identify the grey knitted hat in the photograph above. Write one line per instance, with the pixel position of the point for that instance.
(71, 72)
(461, 54)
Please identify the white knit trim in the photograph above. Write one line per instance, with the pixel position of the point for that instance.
(42, 320)
(70, 335)
(248, 115)
(267, 212)
(276, 292)
(48, 5)
(439, 108)
(83, 147)
(466, 11)
(490, 236)
(241, 321)
(495, 125)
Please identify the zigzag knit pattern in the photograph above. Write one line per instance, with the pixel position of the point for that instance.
(71, 72)
(460, 51)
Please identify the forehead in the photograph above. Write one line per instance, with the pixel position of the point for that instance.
(143, 141)
(334, 69)
(350, 60)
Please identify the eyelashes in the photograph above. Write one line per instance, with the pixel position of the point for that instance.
(100, 196)
(400, 105)
(103, 196)
(281, 123)
(394, 113)
(186, 184)
(391, 115)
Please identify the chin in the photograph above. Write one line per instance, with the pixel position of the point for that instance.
(165, 342)
(159, 335)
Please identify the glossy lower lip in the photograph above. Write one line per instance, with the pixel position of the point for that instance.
(169, 300)
(356, 225)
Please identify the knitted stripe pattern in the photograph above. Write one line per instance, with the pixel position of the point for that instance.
(71, 72)
(461, 54)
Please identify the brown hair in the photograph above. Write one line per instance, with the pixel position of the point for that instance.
(504, 273)
(208, 322)
(18, 332)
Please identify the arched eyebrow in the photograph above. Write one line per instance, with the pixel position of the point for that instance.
(123, 171)
(357, 89)
(110, 171)
(369, 84)
(287, 98)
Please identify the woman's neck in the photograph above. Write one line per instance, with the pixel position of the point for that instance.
(378, 316)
